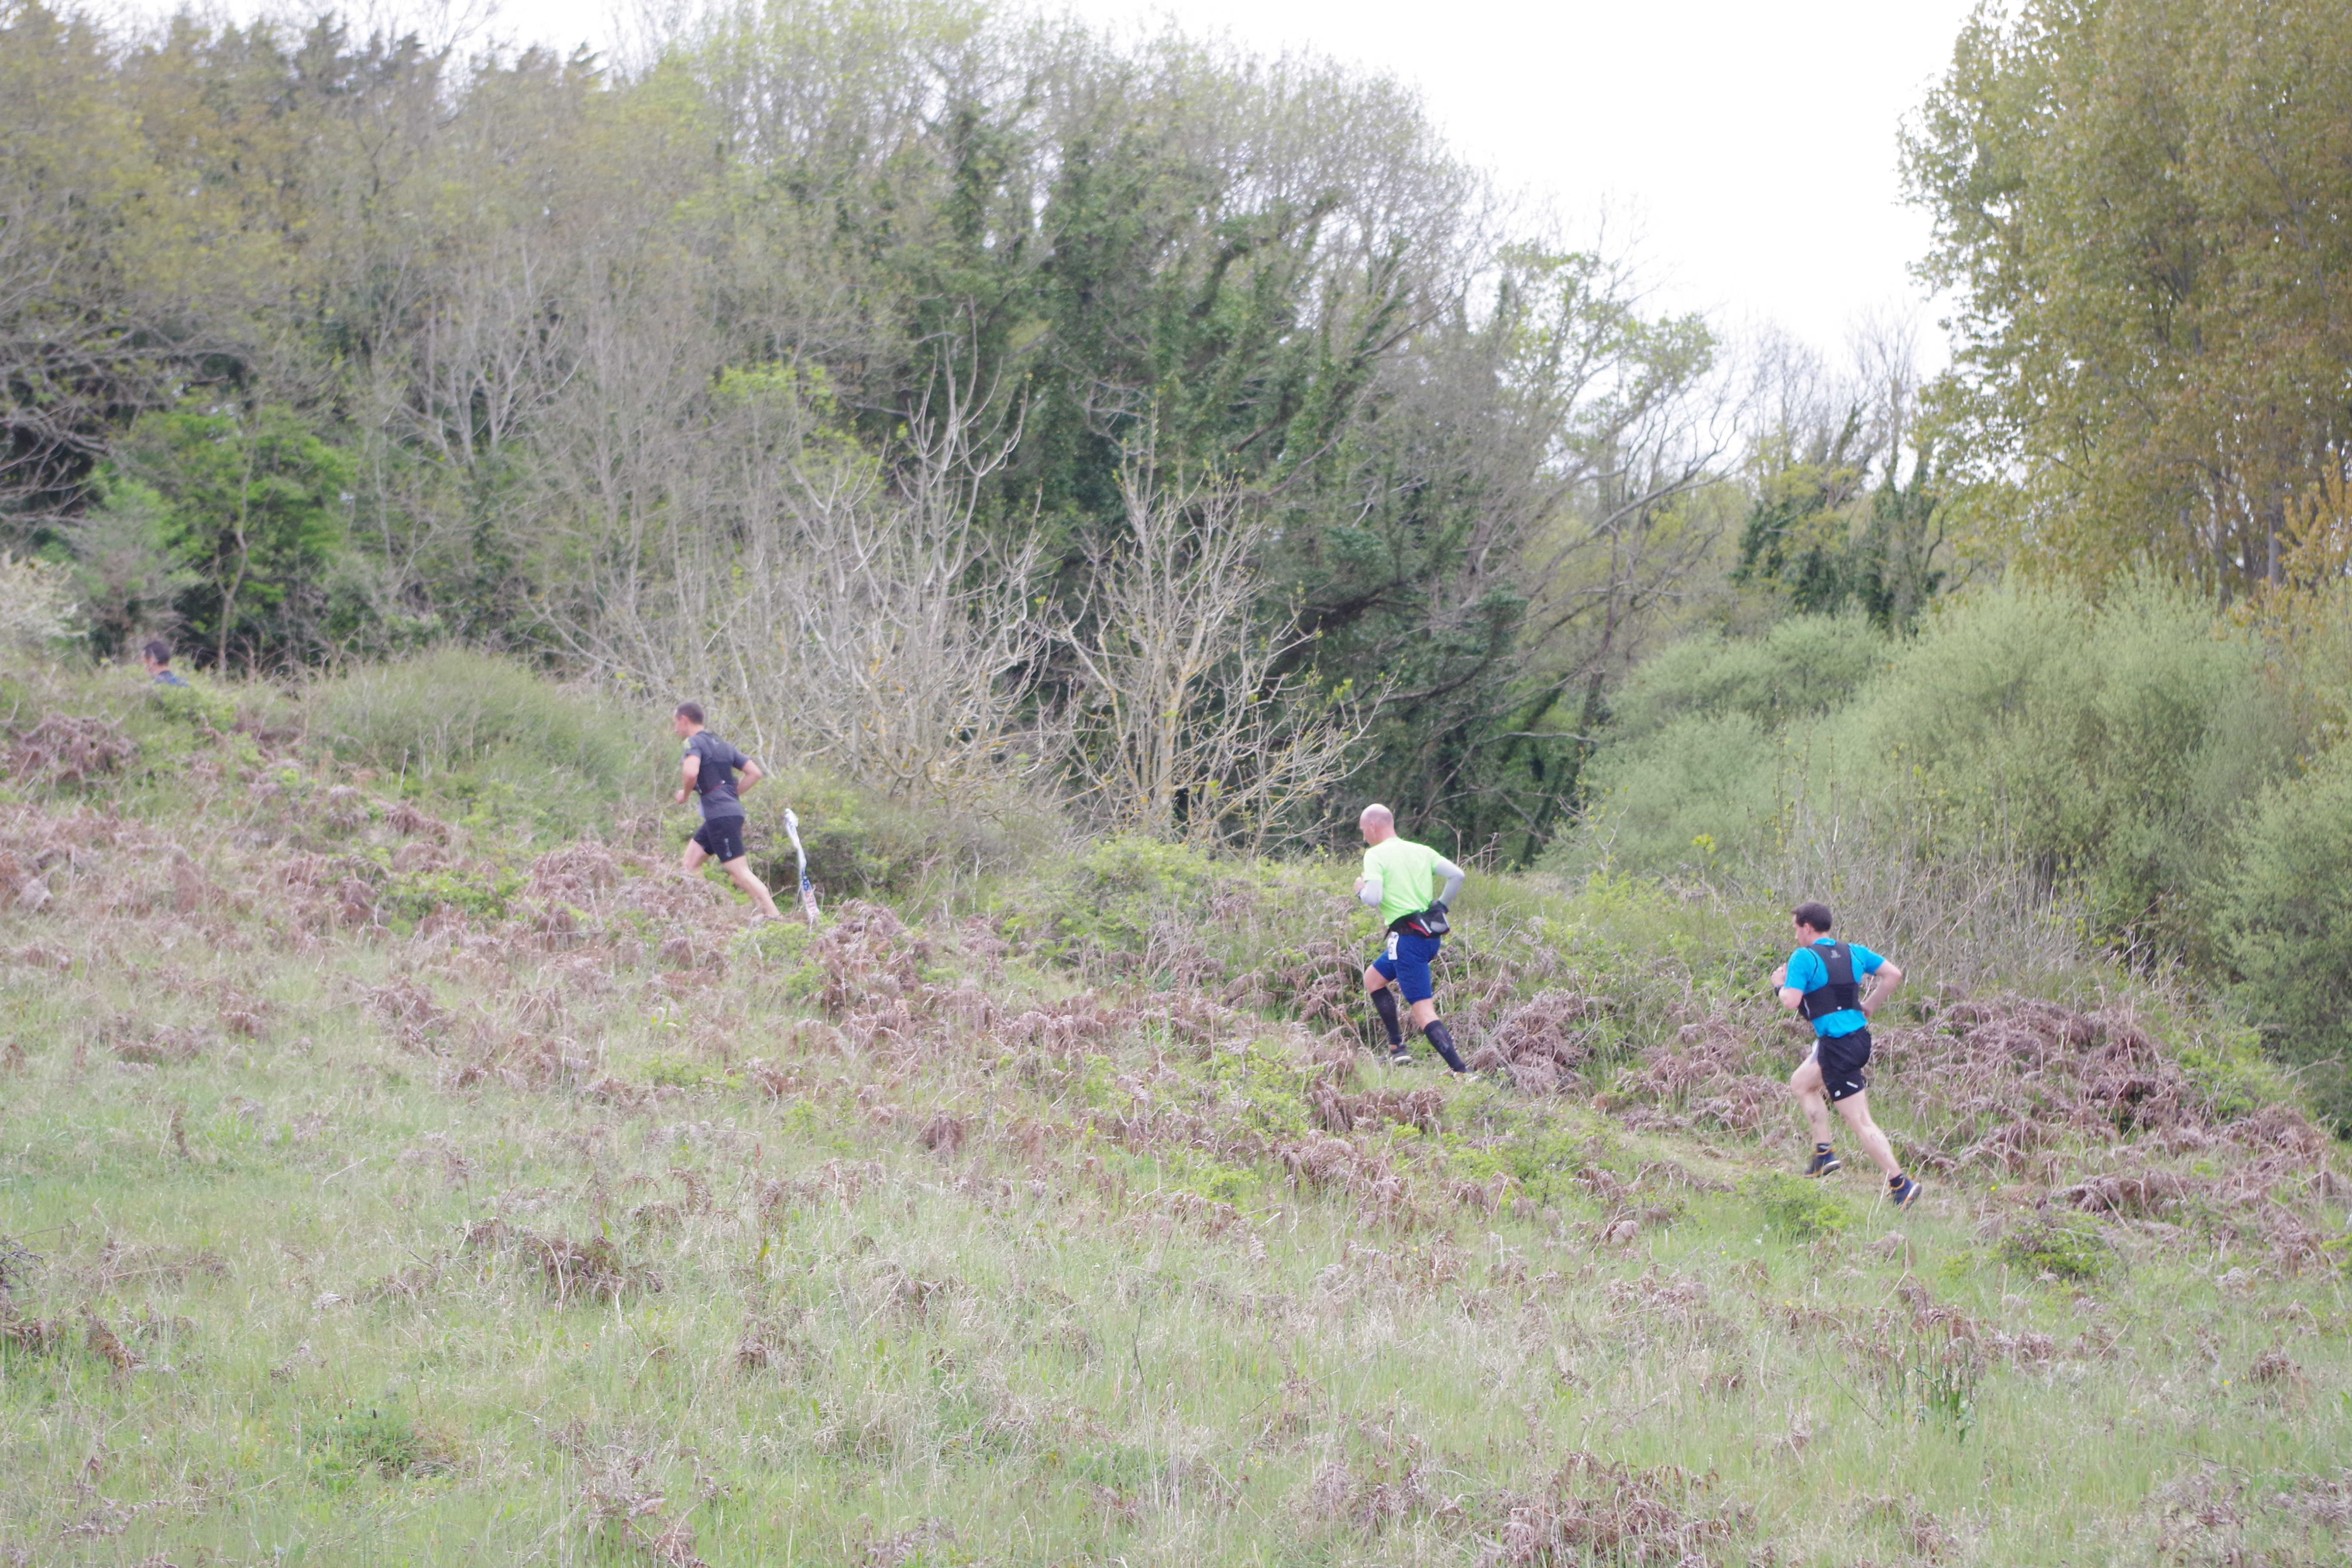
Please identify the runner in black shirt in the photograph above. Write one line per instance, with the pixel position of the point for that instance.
(709, 770)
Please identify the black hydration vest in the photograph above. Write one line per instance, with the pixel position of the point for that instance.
(1841, 992)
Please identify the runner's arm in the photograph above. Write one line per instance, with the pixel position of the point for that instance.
(689, 772)
(1368, 892)
(1453, 874)
(752, 775)
(1883, 981)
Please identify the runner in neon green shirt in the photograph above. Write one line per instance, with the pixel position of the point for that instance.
(1401, 880)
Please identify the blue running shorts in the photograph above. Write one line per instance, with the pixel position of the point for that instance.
(1405, 964)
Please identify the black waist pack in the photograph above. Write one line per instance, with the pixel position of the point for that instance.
(1430, 921)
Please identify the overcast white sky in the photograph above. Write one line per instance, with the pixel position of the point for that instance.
(1752, 146)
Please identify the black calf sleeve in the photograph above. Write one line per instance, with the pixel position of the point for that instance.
(1442, 1038)
(1384, 1004)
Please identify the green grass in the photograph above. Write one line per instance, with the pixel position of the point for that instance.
(469, 1242)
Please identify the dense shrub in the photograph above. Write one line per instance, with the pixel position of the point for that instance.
(1701, 754)
(2065, 1246)
(2116, 744)
(492, 733)
(1109, 897)
(2286, 928)
(2109, 748)
(1700, 785)
(1804, 666)
(1805, 1210)
(863, 843)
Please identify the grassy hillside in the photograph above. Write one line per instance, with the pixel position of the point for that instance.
(396, 1166)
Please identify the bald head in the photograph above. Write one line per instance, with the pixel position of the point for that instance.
(1378, 823)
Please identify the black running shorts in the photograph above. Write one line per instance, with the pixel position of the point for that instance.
(1843, 1058)
(721, 838)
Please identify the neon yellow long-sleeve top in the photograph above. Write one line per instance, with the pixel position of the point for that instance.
(1407, 874)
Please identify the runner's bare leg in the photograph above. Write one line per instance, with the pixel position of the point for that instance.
(1855, 1109)
(1812, 1099)
(739, 869)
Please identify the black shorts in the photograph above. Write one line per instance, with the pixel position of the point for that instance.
(721, 838)
(1843, 1058)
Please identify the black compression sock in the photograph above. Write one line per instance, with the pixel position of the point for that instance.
(1384, 1004)
(1442, 1038)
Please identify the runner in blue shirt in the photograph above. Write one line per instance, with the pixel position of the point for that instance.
(1822, 980)
(157, 656)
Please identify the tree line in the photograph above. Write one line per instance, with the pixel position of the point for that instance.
(320, 346)
(969, 399)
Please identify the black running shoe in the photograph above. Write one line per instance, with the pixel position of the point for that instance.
(1823, 1163)
(1400, 1058)
(1901, 1196)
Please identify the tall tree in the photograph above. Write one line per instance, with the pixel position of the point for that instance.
(2146, 208)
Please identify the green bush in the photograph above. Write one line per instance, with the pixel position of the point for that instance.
(864, 844)
(2233, 1076)
(490, 735)
(2108, 747)
(1797, 1207)
(198, 705)
(1804, 666)
(1110, 895)
(413, 894)
(2069, 1245)
(2287, 919)
(380, 1438)
(2116, 744)
(1706, 739)
(1700, 787)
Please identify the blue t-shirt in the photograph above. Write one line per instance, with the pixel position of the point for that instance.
(1808, 972)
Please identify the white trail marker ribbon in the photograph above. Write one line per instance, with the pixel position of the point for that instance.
(808, 894)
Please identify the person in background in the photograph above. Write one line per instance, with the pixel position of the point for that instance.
(157, 656)
(1400, 882)
(708, 769)
(1822, 980)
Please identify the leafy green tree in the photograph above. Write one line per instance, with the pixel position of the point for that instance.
(77, 356)
(2145, 208)
(1821, 538)
(1526, 495)
(506, 297)
(127, 582)
(1797, 540)
(254, 508)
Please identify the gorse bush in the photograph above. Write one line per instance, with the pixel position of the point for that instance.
(2286, 928)
(2108, 748)
(1698, 786)
(1805, 666)
(2115, 744)
(489, 732)
(862, 842)
(1797, 1207)
(1698, 763)
(2067, 1247)
(2038, 774)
